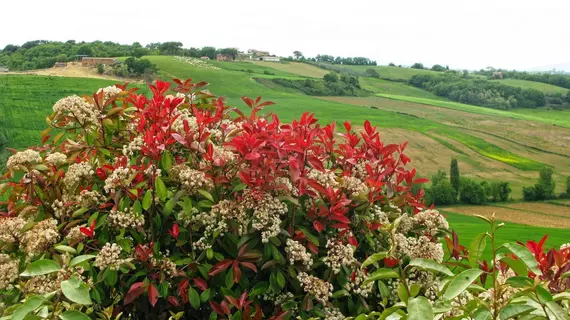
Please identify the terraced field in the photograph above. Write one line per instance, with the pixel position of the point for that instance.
(525, 84)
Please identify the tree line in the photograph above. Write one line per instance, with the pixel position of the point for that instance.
(480, 92)
(557, 79)
(41, 54)
(326, 58)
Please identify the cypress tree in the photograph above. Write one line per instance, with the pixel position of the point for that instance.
(454, 176)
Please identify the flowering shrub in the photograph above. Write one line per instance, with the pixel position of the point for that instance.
(178, 205)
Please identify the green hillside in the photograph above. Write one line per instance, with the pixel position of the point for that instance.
(525, 84)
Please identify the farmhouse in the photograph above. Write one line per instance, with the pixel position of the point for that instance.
(269, 58)
(4, 69)
(93, 62)
(60, 64)
(223, 57)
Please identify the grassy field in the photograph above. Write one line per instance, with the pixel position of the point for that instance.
(467, 227)
(390, 73)
(525, 84)
(396, 88)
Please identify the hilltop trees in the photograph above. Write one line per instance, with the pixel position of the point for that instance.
(360, 61)
(370, 72)
(478, 92)
(417, 65)
(543, 189)
(298, 55)
(441, 191)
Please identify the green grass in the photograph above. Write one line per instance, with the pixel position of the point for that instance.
(390, 73)
(562, 119)
(396, 88)
(490, 150)
(525, 84)
(26, 100)
(467, 227)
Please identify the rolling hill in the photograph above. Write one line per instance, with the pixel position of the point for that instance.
(491, 145)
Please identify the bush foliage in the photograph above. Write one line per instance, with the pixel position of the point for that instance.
(177, 205)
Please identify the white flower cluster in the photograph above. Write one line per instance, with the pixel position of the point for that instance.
(76, 173)
(133, 146)
(356, 283)
(338, 254)
(118, 178)
(278, 298)
(41, 237)
(379, 216)
(186, 218)
(298, 253)
(10, 228)
(432, 220)
(216, 221)
(110, 92)
(267, 212)
(109, 257)
(223, 155)
(121, 219)
(185, 115)
(420, 247)
(23, 158)
(506, 292)
(565, 246)
(192, 180)
(75, 235)
(326, 179)
(8, 271)
(164, 264)
(70, 203)
(333, 314)
(283, 185)
(56, 158)
(79, 109)
(52, 282)
(197, 63)
(321, 289)
(353, 185)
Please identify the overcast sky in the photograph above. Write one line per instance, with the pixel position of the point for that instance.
(472, 34)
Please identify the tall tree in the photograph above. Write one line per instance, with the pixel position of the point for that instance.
(297, 54)
(454, 176)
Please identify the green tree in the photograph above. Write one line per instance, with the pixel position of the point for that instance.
(472, 192)
(454, 176)
(230, 52)
(372, 73)
(391, 64)
(100, 68)
(438, 67)
(298, 54)
(417, 65)
(543, 189)
(209, 52)
(331, 77)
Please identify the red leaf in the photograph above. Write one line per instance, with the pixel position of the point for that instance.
(217, 308)
(233, 301)
(220, 267)
(252, 156)
(248, 265)
(421, 180)
(152, 295)
(174, 231)
(318, 226)
(313, 248)
(237, 271)
(390, 262)
(340, 218)
(134, 292)
(200, 283)
(173, 301)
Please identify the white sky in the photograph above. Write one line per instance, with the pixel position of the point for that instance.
(472, 34)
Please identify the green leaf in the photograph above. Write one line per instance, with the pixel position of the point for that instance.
(514, 310)
(517, 265)
(111, 277)
(562, 296)
(281, 279)
(32, 303)
(543, 295)
(402, 292)
(166, 160)
(40, 267)
(137, 208)
(483, 218)
(476, 248)
(206, 195)
(194, 298)
(205, 295)
(414, 290)
(259, 288)
(77, 260)
(147, 200)
(160, 189)
(430, 265)
(68, 249)
(482, 314)
(461, 282)
(565, 275)
(557, 310)
(76, 290)
(526, 256)
(340, 293)
(239, 187)
(73, 315)
(379, 274)
(519, 282)
(419, 309)
(373, 259)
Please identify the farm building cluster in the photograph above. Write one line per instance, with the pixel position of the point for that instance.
(249, 55)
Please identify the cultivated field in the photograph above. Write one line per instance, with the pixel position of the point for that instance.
(525, 84)
(301, 69)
